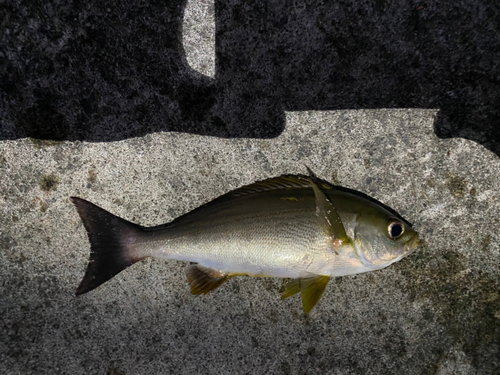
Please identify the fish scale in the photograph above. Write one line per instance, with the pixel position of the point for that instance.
(270, 246)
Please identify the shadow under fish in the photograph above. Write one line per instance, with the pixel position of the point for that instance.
(294, 227)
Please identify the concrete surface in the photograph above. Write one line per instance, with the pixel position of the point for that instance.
(198, 36)
(99, 86)
(436, 312)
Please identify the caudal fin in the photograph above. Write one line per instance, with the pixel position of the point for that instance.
(109, 238)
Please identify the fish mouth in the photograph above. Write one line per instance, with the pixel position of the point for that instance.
(412, 244)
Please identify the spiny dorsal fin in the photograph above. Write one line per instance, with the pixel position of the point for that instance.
(311, 288)
(204, 279)
(276, 183)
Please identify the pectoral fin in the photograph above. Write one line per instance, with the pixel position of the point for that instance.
(329, 219)
(311, 289)
(204, 279)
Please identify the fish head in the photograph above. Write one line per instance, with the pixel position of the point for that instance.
(382, 239)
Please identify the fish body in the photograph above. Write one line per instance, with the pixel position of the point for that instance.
(290, 227)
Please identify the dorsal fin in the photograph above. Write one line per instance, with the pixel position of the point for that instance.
(276, 183)
(286, 182)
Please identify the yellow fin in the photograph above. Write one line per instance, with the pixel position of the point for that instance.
(329, 219)
(312, 289)
(204, 279)
(292, 287)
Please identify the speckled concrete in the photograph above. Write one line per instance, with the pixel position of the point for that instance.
(436, 312)
(198, 36)
(120, 75)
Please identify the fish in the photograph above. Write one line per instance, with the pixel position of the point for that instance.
(295, 227)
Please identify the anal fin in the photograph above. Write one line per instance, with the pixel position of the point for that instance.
(311, 288)
(292, 287)
(204, 279)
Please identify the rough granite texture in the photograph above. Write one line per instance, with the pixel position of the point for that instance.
(101, 89)
(437, 311)
(198, 36)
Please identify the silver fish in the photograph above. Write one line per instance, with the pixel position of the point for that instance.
(294, 227)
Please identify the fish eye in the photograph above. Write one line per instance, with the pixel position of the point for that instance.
(395, 229)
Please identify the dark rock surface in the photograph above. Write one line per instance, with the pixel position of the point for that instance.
(108, 71)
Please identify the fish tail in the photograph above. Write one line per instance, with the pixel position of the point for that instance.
(109, 238)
